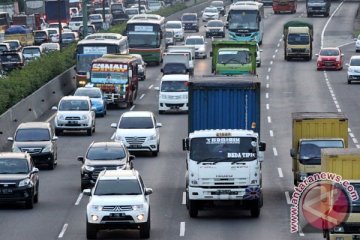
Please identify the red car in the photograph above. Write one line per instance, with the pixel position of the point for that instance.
(330, 58)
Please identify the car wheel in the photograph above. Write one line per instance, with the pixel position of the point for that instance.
(29, 204)
(255, 211)
(89, 132)
(36, 198)
(349, 81)
(58, 132)
(51, 164)
(161, 111)
(83, 186)
(145, 228)
(91, 231)
(155, 153)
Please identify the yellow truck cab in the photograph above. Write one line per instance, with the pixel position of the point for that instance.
(311, 132)
(344, 162)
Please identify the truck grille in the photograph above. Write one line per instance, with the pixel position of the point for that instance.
(135, 140)
(117, 208)
(298, 50)
(72, 118)
(31, 150)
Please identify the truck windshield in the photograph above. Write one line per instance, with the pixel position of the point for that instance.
(174, 86)
(298, 39)
(234, 57)
(229, 149)
(310, 150)
(83, 63)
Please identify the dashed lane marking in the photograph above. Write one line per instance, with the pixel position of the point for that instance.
(275, 151)
(271, 133)
(142, 96)
(132, 108)
(287, 196)
(79, 199)
(63, 230)
(281, 175)
(182, 229)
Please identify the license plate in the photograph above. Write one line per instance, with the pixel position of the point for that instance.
(73, 122)
(328, 64)
(174, 107)
(6, 191)
(135, 146)
(223, 191)
(115, 215)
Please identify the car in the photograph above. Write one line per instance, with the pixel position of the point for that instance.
(210, 13)
(141, 66)
(50, 47)
(15, 45)
(258, 55)
(19, 179)
(31, 52)
(75, 23)
(41, 36)
(215, 28)
(131, 12)
(169, 37)
(219, 5)
(4, 47)
(69, 37)
(53, 34)
(190, 21)
(56, 25)
(108, 15)
(329, 58)
(139, 131)
(174, 68)
(39, 140)
(357, 44)
(353, 73)
(11, 60)
(97, 20)
(199, 43)
(103, 156)
(119, 200)
(90, 27)
(154, 6)
(74, 113)
(177, 28)
(143, 8)
(267, 2)
(96, 97)
(173, 93)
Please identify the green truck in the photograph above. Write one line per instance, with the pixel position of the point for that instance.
(233, 57)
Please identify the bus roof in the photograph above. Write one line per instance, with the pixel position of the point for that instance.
(115, 58)
(147, 16)
(146, 20)
(115, 36)
(98, 41)
(244, 7)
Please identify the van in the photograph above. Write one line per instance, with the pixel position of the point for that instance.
(188, 50)
(182, 58)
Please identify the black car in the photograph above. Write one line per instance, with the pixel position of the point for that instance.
(19, 179)
(41, 36)
(101, 156)
(174, 68)
(190, 21)
(11, 60)
(37, 139)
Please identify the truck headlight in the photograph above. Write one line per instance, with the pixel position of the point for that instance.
(302, 176)
(137, 207)
(339, 229)
(289, 50)
(96, 208)
(89, 168)
(25, 182)
(163, 96)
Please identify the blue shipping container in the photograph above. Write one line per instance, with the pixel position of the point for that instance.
(57, 10)
(224, 102)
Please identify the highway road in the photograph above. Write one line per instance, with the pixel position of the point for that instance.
(286, 87)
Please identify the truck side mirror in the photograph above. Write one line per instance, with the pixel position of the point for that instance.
(185, 144)
(262, 146)
(292, 152)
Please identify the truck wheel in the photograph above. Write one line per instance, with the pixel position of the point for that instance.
(255, 211)
(91, 231)
(308, 14)
(286, 58)
(295, 182)
(145, 229)
(193, 209)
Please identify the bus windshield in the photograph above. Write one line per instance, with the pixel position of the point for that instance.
(243, 19)
(83, 63)
(143, 40)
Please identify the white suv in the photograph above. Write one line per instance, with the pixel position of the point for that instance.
(199, 43)
(119, 200)
(173, 95)
(177, 28)
(139, 131)
(75, 113)
(353, 73)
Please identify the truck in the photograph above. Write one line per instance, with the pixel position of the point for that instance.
(233, 57)
(311, 132)
(298, 38)
(185, 49)
(183, 58)
(224, 152)
(318, 7)
(32, 21)
(57, 11)
(21, 33)
(116, 75)
(344, 162)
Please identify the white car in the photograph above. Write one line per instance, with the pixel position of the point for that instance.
(353, 73)
(173, 93)
(131, 12)
(210, 13)
(258, 55)
(50, 47)
(31, 52)
(139, 131)
(53, 34)
(357, 44)
(154, 6)
(74, 113)
(199, 43)
(118, 200)
(177, 28)
(75, 23)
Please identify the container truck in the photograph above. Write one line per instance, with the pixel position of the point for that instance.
(312, 131)
(233, 57)
(57, 10)
(344, 162)
(298, 38)
(224, 153)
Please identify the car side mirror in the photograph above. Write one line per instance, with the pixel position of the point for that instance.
(132, 157)
(10, 139)
(113, 125)
(158, 125)
(54, 138)
(35, 170)
(292, 153)
(157, 88)
(148, 191)
(185, 144)
(80, 159)
(87, 192)
(262, 147)
(54, 108)
(346, 64)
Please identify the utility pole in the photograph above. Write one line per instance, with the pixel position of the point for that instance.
(60, 26)
(139, 6)
(103, 14)
(85, 18)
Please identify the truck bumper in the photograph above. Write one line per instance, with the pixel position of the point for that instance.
(246, 193)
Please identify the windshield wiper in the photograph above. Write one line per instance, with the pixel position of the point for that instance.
(211, 159)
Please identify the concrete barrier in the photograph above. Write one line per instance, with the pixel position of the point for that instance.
(34, 106)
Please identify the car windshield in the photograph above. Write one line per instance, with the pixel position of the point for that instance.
(31, 51)
(234, 57)
(329, 52)
(215, 24)
(174, 86)
(317, 1)
(194, 41)
(154, 4)
(310, 150)
(95, 17)
(40, 34)
(91, 93)
(54, 25)
(68, 36)
(118, 187)
(131, 11)
(188, 18)
(13, 166)
(136, 123)
(210, 10)
(52, 32)
(76, 19)
(3, 48)
(33, 134)
(105, 153)
(173, 25)
(13, 45)
(174, 68)
(355, 62)
(74, 105)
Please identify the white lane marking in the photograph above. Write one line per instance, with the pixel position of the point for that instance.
(63, 230)
(271, 62)
(271, 133)
(357, 146)
(112, 136)
(267, 95)
(269, 69)
(269, 119)
(278, 45)
(355, 140)
(351, 134)
(301, 234)
(142, 96)
(183, 202)
(327, 23)
(267, 106)
(275, 151)
(273, 56)
(51, 117)
(182, 229)
(151, 86)
(79, 199)
(349, 130)
(280, 173)
(267, 85)
(267, 77)
(276, 50)
(132, 108)
(287, 196)
(345, 44)
(339, 110)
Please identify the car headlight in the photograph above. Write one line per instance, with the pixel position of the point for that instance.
(97, 207)
(89, 168)
(16, 149)
(339, 229)
(119, 138)
(137, 207)
(152, 137)
(48, 148)
(61, 117)
(350, 70)
(84, 117)
(25, 182)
